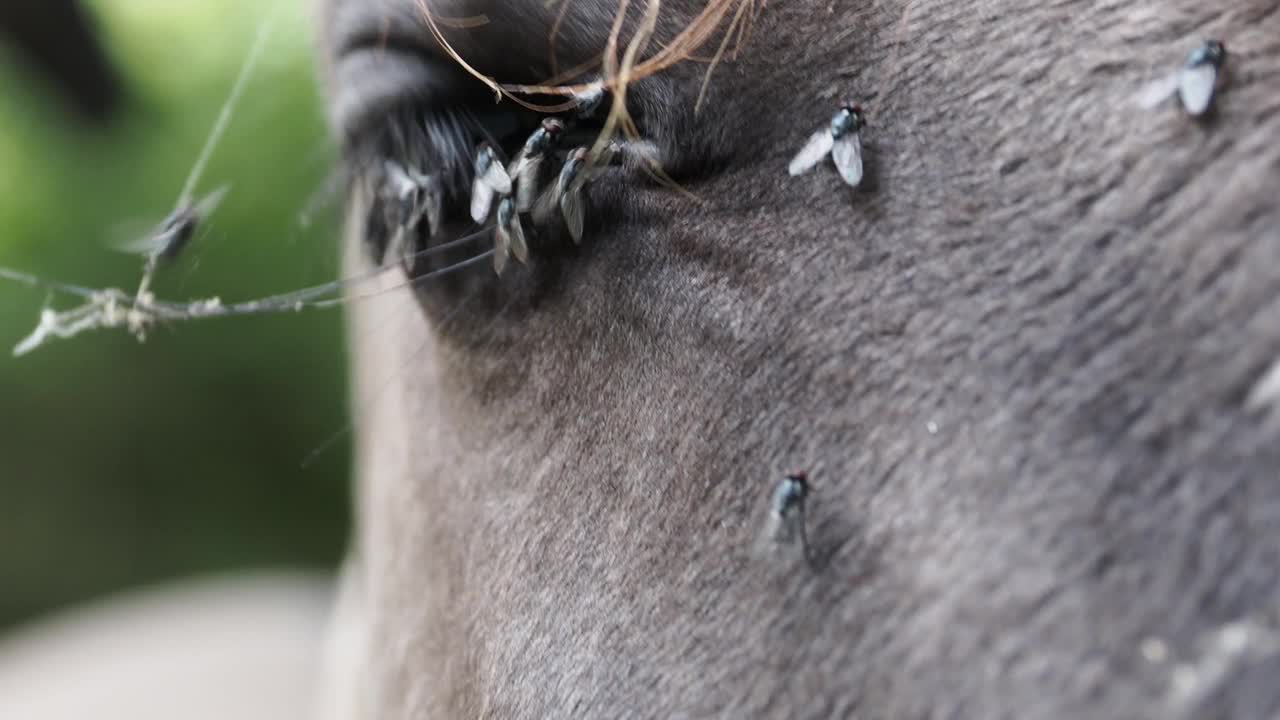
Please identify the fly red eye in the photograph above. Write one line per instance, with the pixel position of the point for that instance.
(552, 126)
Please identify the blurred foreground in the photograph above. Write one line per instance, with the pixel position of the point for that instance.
(237, 647)
(127, 463)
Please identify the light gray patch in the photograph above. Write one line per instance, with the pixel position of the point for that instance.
(1218, 674)
(1266, 391)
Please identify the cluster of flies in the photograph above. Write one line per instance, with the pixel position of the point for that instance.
(1194, 84)
(529, 186)
(841, 139)
(527, 192)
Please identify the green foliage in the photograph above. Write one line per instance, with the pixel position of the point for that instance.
(124, 463)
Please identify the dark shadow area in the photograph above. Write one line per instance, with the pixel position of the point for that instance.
(58, 40)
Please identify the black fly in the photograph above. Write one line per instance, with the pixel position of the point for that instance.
(567, 192)
(589, 101)
(508, 237)
(841, 139)
(526, 169)
(412, 195)
(1194, 82)
(786, 523)
(490, 177)
(167, 241)
(573, 176)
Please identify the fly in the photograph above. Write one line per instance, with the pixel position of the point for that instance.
(568, 189)
(573, 176)
(526, 169)
(842, 139)
(589, 101)
(786, 513)
(490, 177)
(1194, 82)
(413, 196)
(167, 241)
(508, 236)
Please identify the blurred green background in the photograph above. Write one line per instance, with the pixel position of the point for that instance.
(123, 463)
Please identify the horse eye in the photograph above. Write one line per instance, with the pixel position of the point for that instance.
(433, 161)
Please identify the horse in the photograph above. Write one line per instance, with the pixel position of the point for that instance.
(1024, 366)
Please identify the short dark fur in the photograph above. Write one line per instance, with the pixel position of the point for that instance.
(1014, 361)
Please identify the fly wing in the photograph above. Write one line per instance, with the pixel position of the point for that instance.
(589, 100)
(527, 175)
(401, 195)
(158, 238)
(578, 182)
(1195, 86)
(781, 535)
(636, 153)
(1159, 91)
(496, 177)
(481, 200)
(519, 247)
(847, 155)
(209, 203)
(514, 168)
(814, 150)
(546, 204)
(433, 202)
(136, 238)
(571, 207)
(426, 201)
(785, 527)
(501, 249)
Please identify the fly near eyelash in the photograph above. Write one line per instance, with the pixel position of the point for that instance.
(491, 179)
